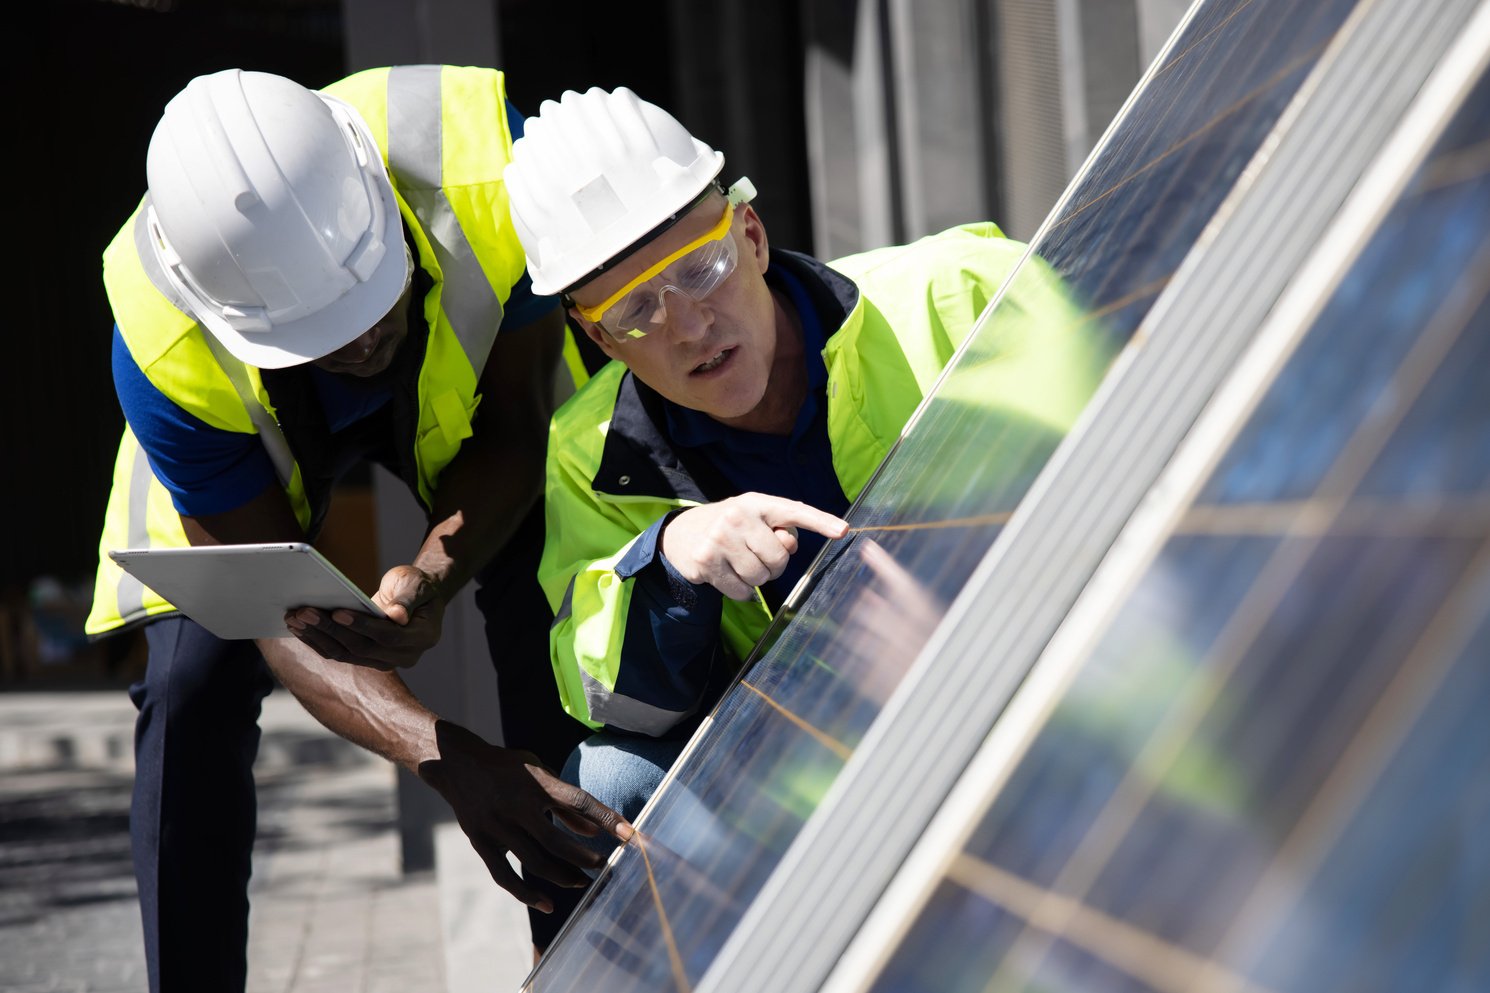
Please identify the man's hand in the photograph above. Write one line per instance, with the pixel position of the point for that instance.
(411, 599)
(502, 800)
(737, 544)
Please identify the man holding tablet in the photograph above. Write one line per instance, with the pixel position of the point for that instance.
(317, 278)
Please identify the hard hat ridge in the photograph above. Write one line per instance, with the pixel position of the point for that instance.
(273, 217)
(593, 174)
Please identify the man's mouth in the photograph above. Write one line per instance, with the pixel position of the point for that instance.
(713, 363)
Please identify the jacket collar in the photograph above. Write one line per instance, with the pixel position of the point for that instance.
(639, 458)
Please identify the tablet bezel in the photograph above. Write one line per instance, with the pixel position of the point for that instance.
(243, 591)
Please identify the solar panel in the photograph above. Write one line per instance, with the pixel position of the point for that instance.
(1031, 575)
(1263, 766)
(773, 749)
(777, 743)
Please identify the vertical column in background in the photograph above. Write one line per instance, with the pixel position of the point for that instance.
(455, 678)
(925, 114)
(1029, 48)
(850, 135)
(941, 131)
(737, 83)
(1057, 75)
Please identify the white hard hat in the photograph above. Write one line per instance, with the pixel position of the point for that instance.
(273, 216)
(593, 174)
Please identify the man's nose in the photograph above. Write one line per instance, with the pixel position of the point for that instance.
(359, 348)
(687, 319)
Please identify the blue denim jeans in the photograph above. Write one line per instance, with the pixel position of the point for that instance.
(622, 771)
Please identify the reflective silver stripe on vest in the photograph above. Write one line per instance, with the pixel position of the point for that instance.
(610, 708)
(130, 593)
(566, 607)
(613, 710)
(275, 442)
(414, 149)
(272, 437)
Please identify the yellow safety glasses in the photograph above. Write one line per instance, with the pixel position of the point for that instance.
(695, 270)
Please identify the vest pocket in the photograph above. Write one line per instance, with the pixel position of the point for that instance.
(451, 417)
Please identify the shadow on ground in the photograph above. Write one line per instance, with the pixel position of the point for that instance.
(64, 832)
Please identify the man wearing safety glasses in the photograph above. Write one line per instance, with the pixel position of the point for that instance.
(691, 482)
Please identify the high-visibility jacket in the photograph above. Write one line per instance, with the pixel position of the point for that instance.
(612, 471)
(444, 135)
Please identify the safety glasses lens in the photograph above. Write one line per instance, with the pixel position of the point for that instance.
(696, 275)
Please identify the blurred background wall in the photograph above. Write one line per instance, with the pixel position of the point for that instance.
(862, 123)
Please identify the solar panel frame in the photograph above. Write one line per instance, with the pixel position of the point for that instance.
(1053, 544)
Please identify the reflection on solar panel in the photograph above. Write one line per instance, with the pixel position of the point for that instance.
(1178, 185)
(1268, 772)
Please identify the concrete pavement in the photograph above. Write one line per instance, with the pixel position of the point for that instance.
(331, 910)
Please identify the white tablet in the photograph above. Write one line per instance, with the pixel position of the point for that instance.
(244, 591)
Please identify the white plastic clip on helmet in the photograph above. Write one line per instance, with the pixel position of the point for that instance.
(273, 216)
(595, 172)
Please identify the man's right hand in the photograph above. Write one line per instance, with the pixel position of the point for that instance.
(502, 799)
(737, 544)
(415, 608)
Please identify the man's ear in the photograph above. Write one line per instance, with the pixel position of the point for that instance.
(592, 330)
(755, 235)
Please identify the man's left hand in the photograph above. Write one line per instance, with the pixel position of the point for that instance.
(411, 599)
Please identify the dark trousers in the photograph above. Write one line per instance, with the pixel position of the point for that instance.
(193, 810)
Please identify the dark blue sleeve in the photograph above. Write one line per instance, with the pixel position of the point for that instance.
(206, 469)
(523, 307)
(672, 631)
